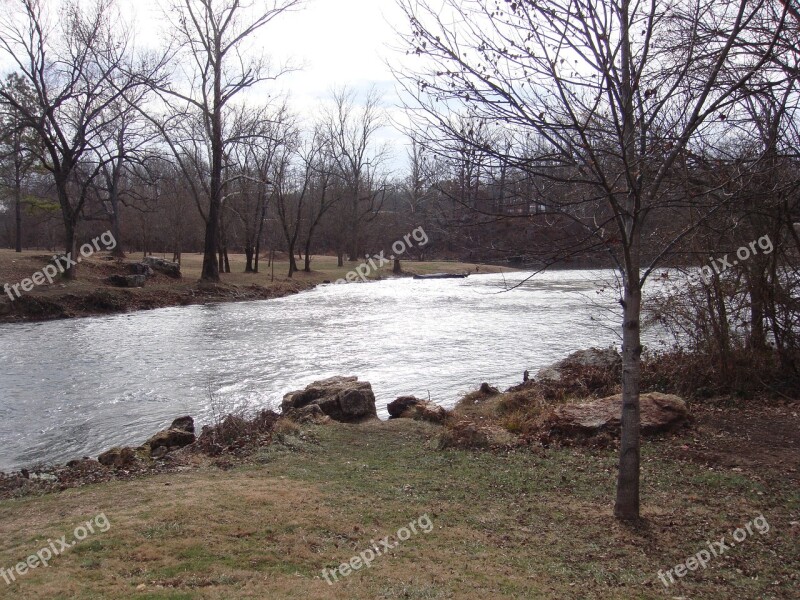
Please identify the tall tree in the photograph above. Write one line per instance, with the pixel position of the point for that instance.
(17, 146)
(616, 96)
(76, 62)
(213, 40)
(350, 129)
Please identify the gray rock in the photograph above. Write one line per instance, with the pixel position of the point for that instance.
(141, 269)
(343, 399)
(163, 266)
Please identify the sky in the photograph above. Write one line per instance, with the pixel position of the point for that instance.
(337, 43)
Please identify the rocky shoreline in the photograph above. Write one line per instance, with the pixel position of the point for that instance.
(345, 400)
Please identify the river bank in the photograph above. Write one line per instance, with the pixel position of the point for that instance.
(525, 522)
(91, 295)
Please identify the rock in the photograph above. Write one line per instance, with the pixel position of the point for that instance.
(343, 399)
(141, 269)
(409, 407)
(607, 358)
(127, 281)
(397, 407)
(183, 424)
(166, 267)
(488, 389)
(119, 458)
(659, 413)
(171, 439)
(311, 414)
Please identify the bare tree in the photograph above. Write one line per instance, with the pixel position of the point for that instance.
(611, 98)
(17, 146)
(252, 157)
(213, 37)
(77, 66)
(351, 130)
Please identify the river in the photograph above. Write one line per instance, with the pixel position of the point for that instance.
(78, 387)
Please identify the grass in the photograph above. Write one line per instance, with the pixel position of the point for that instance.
(527, 524)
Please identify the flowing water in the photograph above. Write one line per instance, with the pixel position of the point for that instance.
(78, 387)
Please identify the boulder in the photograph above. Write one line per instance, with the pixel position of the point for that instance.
(599, 358)
(344, 399)
(127, 281)
(141, 269)
(166, 267)
(119, 458)
(659, 413)
(178, 435)
(183, 424)
(409, 407)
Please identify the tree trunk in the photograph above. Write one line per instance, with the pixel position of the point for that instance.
(627, 502)
(292, 261)
(71, 247)
(210, 265)
(248, 253)
(307, 265)
(340, 259)
(18, 209)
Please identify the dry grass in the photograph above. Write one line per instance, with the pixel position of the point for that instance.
(507, 525)
(521, 409)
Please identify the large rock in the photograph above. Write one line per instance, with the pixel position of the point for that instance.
(659, 413)
(119, 458)
(141, 269)
(409, 407)
(166, 267)
(599, 358)
(183, 424)
(344, 399)
(178, 435)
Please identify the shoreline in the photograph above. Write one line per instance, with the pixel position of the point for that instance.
(90, 295)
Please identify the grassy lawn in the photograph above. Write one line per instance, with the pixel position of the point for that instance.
(526, 524)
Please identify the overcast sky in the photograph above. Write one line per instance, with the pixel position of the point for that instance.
(337, 42)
